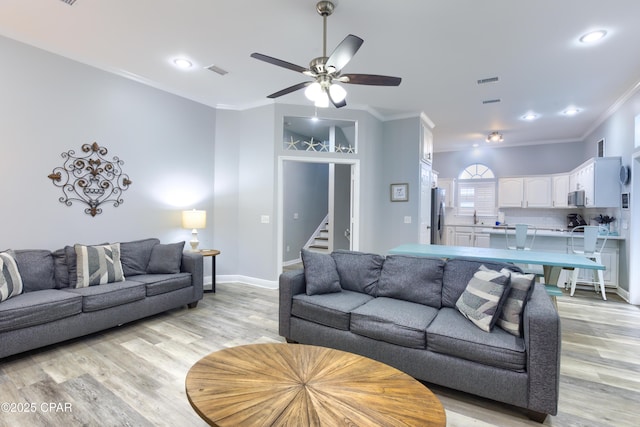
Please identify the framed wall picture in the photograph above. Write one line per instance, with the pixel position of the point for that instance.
(400, 192)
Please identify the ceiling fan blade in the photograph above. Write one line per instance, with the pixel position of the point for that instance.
(370, 79)
(289, 89)
(343, 53)
(278, 62)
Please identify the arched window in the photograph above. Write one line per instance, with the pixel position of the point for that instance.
(477, 191)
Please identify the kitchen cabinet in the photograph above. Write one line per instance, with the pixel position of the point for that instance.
(426, 138)
(448, 184)
(525, 192)
(471, 236)
(560, 188)
(598, 178)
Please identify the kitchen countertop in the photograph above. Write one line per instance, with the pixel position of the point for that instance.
(542, 231)
(546, 232)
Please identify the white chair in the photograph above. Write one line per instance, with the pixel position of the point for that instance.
(523, 243)
(522, 232)
(592, 250)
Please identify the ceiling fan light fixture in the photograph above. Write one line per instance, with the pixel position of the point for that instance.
(313, 91)
(337, 92)
(495, 137)
(322, 100)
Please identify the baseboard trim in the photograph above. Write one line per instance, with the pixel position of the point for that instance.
(261, 283)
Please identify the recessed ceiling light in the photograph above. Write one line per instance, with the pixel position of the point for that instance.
(530, 116)
(182, 63)
(571, 111)
(593, 36)
(475, 145)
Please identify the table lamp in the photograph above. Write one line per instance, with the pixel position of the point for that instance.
(194, 219)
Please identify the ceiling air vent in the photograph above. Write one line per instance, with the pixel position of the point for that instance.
(217, 69)
(69, 2)
(489, 80)
(491, 101)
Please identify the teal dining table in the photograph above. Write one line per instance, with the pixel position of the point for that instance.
(552, 262)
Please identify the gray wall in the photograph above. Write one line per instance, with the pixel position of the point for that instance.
(618, 132)
(400, 164)
(513, 161)
(306, 193)
(50, 105)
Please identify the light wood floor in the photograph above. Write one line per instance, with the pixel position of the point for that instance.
(134, 375)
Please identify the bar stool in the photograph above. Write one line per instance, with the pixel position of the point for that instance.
(591, 250)
(523, 244)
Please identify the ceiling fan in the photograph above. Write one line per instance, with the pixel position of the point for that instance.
(326, 70)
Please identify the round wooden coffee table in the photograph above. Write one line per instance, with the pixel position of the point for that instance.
(302, 385)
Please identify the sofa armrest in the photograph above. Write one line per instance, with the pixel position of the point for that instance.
(291, 283)
(192, 263)
(542, 335)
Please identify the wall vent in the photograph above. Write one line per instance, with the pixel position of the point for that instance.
(217, 69)
(491, 101)
(69, 2)
(488, 80)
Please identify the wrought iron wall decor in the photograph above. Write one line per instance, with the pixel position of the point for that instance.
(90, 179)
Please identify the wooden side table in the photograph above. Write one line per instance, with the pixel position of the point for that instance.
(211, 253)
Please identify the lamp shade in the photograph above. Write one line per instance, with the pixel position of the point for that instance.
(194, 219)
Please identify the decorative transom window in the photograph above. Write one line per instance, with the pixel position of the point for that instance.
(476, 191)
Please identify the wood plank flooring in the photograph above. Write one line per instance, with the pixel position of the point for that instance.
(134, 375)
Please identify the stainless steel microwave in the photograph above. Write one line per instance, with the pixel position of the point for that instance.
(576, 198)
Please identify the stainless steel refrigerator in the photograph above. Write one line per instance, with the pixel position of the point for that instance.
(437, 216)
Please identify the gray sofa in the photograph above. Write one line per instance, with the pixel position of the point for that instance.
(406, 312)
(52, 308)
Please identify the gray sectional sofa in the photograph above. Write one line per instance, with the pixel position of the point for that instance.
(76, 290)
(408, 312)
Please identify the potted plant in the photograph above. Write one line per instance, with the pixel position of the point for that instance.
(604, 221)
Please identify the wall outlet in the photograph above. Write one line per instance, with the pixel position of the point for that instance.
(407, 220)
(288, 248)
(296, 216)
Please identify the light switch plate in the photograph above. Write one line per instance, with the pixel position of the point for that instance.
(264, 219)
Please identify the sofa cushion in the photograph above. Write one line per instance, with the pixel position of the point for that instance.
(510, 318)
(458, 272)
(320, 273)
(36, 269)
(333, 310)
(415, 279)
(10, 280)
(358, 271)
(157, 284)
(135, 256)
(484, 296)
(165, 258)
(98, 265)
(394, 321)
(38, 307)
(450, 333)
(109, 295)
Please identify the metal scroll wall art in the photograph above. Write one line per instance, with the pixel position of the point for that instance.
(90, 179)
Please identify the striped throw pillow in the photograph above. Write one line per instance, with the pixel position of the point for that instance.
(510, 318)
(482, 300)
(97, 265)
(10, 280)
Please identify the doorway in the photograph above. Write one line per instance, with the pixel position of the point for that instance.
(340, 179)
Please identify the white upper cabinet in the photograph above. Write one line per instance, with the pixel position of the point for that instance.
(448, 184)
(598, 177)
(525, 192)
(560, 187)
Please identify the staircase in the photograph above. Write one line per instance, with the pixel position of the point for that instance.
(319, 241)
